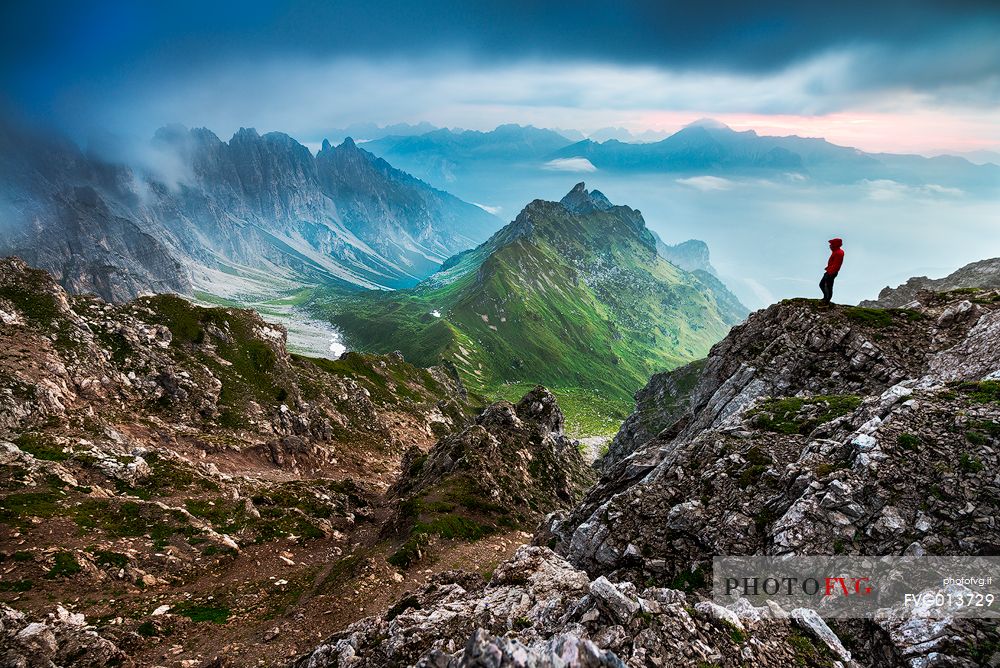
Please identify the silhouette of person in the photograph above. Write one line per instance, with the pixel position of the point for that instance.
(833, 266)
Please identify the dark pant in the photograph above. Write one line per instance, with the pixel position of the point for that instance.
(826, 285)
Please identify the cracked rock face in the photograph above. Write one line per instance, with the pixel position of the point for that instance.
(761, 463)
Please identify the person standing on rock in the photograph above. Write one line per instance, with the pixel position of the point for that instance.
(832, 269)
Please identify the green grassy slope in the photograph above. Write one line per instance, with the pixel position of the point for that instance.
(576, 300)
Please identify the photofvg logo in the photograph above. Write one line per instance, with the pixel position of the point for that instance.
(863, 587)
(790, 586)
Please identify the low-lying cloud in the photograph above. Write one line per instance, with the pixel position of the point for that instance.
(887, 190)
(707, 183)
(489, 209)
(570, 165)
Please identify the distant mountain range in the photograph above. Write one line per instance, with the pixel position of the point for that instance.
(368, 131)
(444, 155)
(573, 294)
(710, 147)
(231, 218)
(703, 147)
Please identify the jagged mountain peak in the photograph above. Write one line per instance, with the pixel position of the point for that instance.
(580, 200)
(264, 206)
(325, 145)
(245, 133)
(348, 143)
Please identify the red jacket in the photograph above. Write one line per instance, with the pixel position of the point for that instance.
(836, 257)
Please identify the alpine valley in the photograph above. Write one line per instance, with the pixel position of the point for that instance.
(575, 294)
(344, 250)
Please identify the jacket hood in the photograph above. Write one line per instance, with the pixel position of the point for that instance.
(836, 242)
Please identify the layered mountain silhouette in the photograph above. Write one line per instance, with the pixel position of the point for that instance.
(573, 294)
(706, 146)
(227, 218)
(444, 155)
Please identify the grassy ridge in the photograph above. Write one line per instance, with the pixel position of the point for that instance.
(580, 303)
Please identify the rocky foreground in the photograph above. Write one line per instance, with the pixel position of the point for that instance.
(177, 489)
(808, 430)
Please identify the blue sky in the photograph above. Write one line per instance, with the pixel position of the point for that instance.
(881, 75)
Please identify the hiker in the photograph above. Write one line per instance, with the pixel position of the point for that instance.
(832, 269)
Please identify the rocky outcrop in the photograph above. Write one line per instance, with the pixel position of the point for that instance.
(983, 275)
(539, 611)
(508, 469)
(809, 430)
(62, 638)
(583, 201)
(690, 255)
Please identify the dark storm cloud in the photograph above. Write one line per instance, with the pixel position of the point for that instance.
(54, 45)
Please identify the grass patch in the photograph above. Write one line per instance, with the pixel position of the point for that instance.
(800, 415)
(807, 653)
(451, 527)
(735, 634)
(65, 566)
(147, 629)
(908, 441)
(983, 392)
(16, 586)
(40, 447)
(130, 519)
(969, 464)
(689, 581)
(107, 558)
(409, 552)
(975, 437)
(217, 614)
(873, 317)
(18, 509)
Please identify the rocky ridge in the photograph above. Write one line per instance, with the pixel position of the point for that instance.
(507, 470)
(808, 430)
(982, 275)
